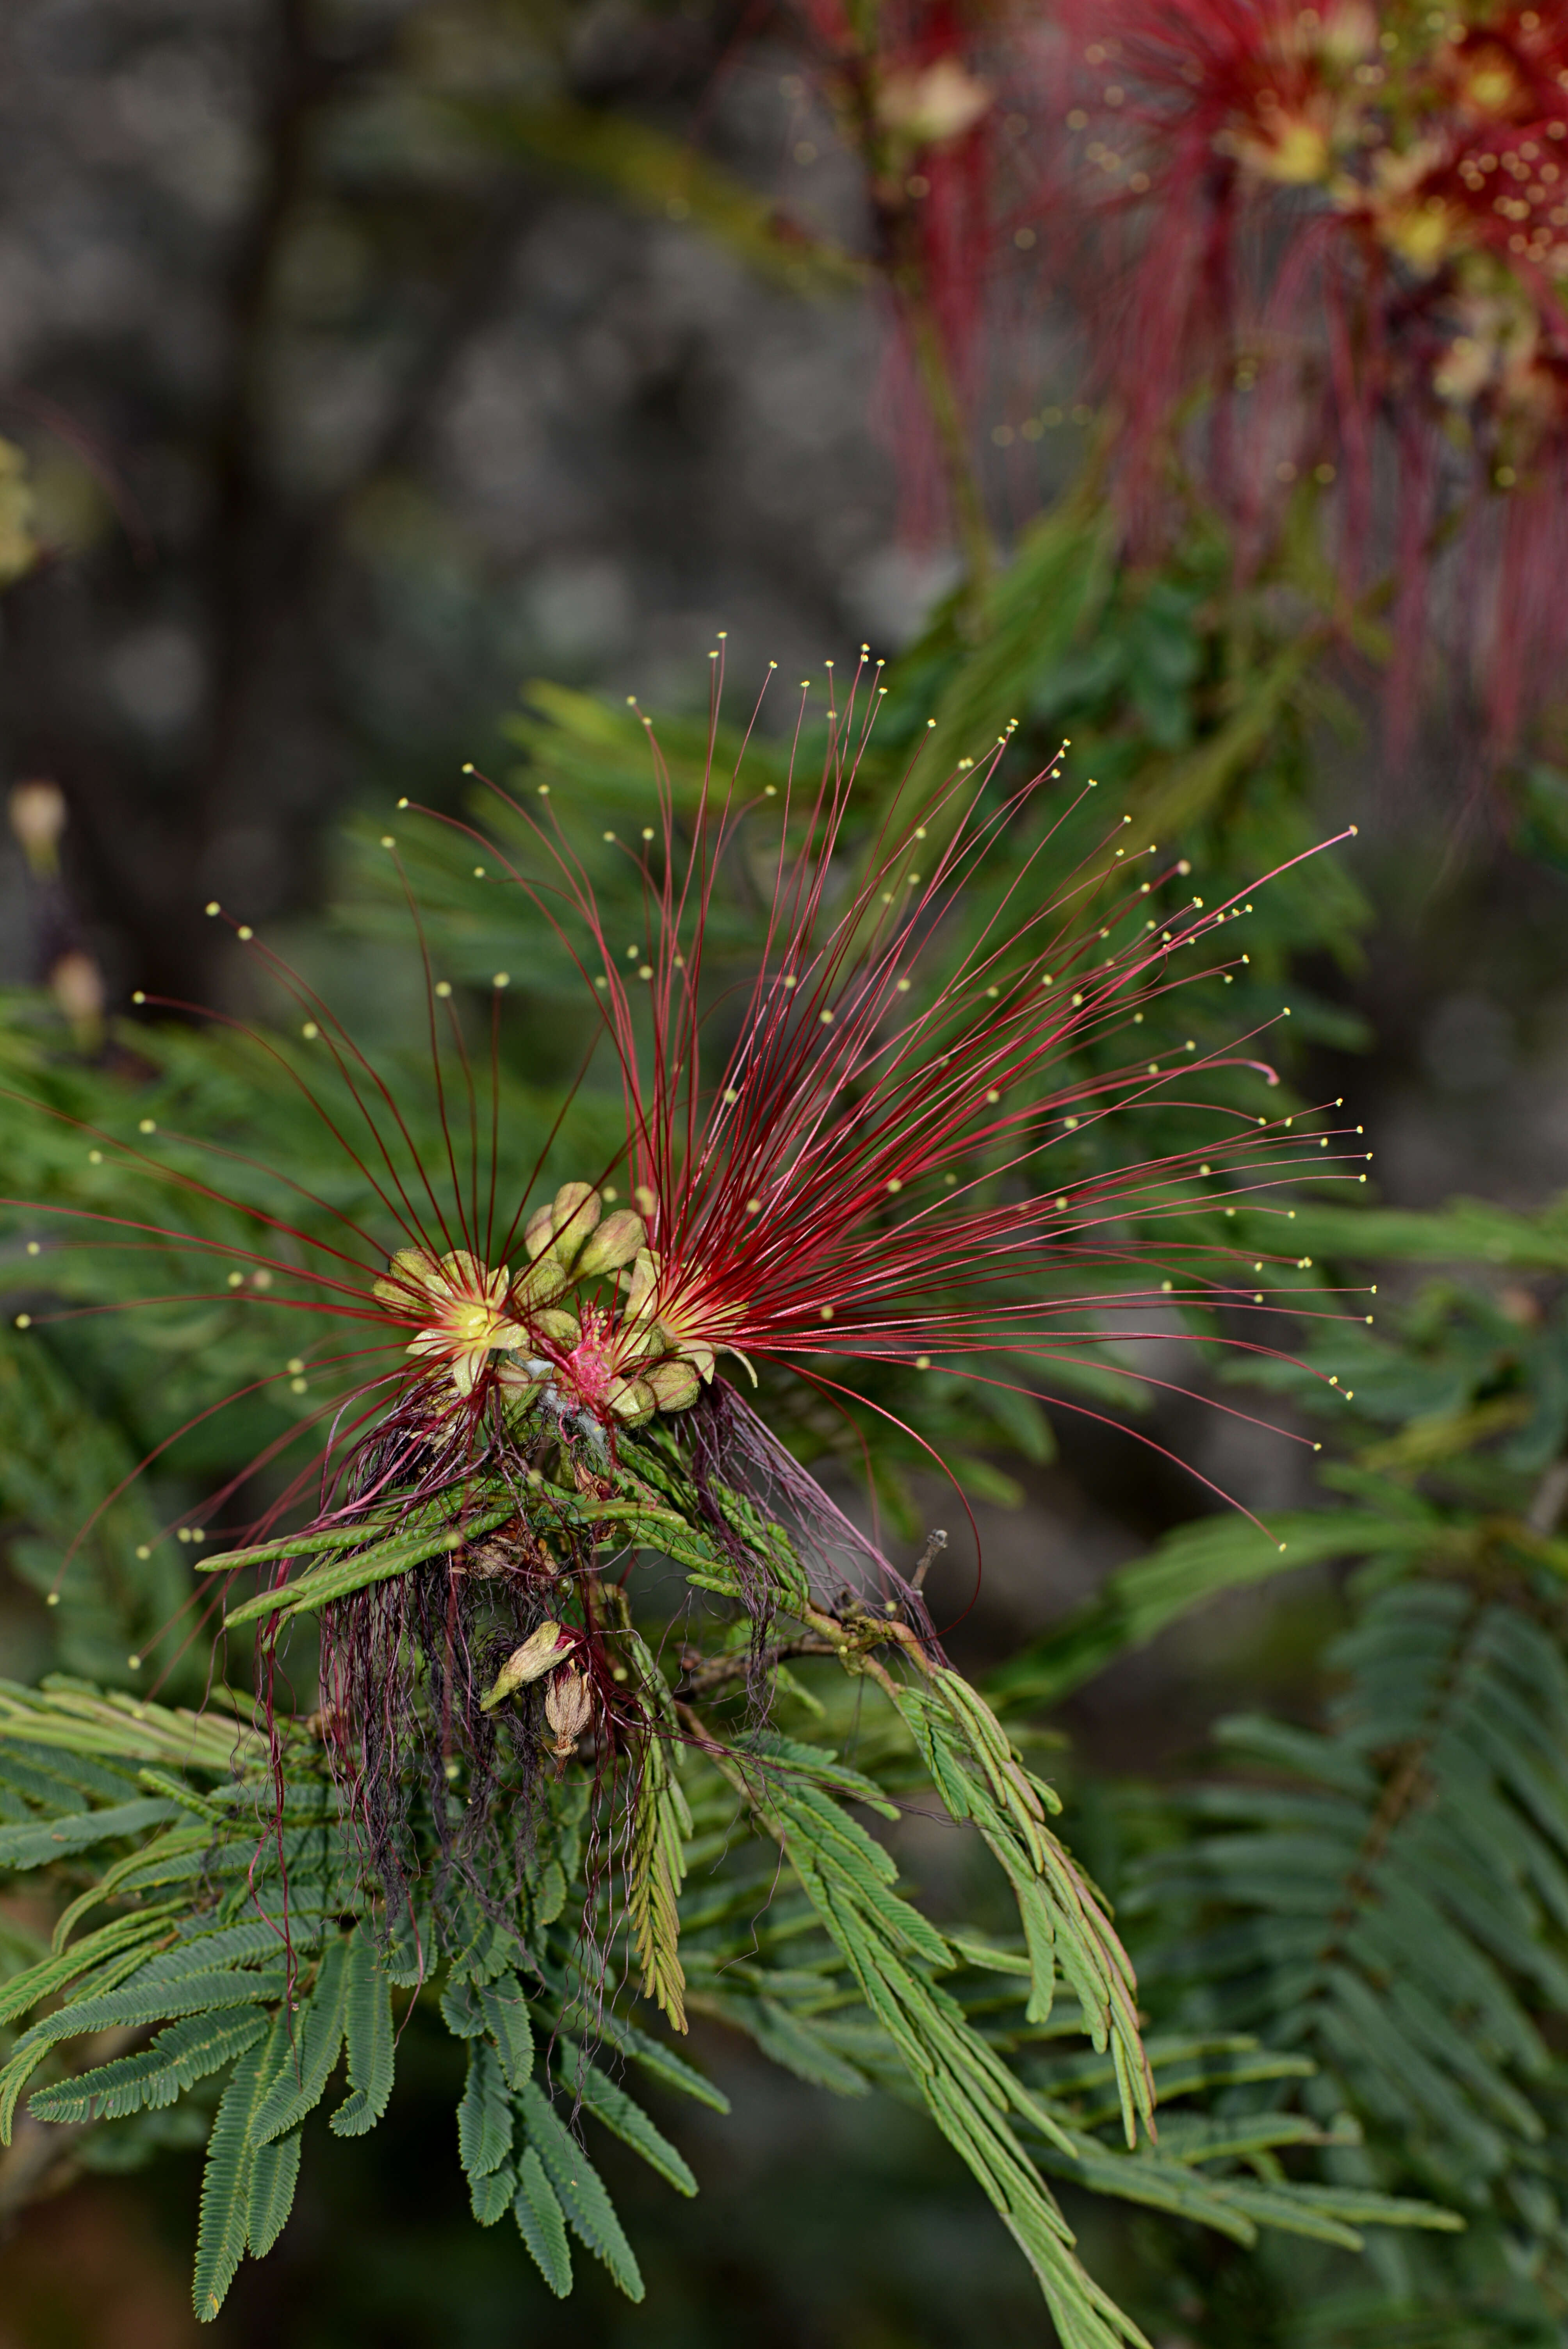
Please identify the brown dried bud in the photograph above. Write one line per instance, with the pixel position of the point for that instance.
(588, 1480)
(486, 1560)
(614, 1243)
(539, 1654)
(568, 1708)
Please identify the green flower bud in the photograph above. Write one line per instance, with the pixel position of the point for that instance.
(542, 1280)
(561, 1328)
(632, 1401)
(575, 1210)
(640, 1281)
(565, 1224)
(614, 1243)
(675, 1384)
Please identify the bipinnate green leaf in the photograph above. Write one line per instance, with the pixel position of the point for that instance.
(339, 1577)
(1239, 2206)
(156, 2074)
(36, 1843)
(484, 2115)
(52, 1973)
(578, 2188)
(368, 2036)
(1054, 589)
(627, 2120)
(662, 2063)
(492, 2196)
(491, 1949)
(794, 2042)
(274, 2174)
(967, 2088)
(540, 2224)
(820, 1763)
(172, 1858)
(1391, 1892)
(134, 2007)
(324, 1542)
(1188, 1567)
(980, 1777)
(202, 1950)
(1464, 1231)
(319, 2037)
(505, 2011)
(75, 1718)
(656, 1873)
(462, 2009)
(224, 2224)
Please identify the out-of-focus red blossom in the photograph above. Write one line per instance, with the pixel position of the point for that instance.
(916, 91)
(1335, 218)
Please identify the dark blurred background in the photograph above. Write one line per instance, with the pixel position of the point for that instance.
(369, 360)
(349, 411)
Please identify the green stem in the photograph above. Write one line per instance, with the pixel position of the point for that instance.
(953, 435)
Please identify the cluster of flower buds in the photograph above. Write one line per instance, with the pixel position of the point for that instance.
(618, 1360)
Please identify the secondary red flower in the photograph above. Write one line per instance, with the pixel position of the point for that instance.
(1345, 223)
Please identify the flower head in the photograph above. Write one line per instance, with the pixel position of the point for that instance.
(886, 1160)
(863, 1142)
(464, 1312)
(877, 1137)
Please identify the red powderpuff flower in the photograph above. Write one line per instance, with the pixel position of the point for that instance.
(879, 1168)
(1337, 221)
(869, 1171)
(875, 1168)
(917, 89)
